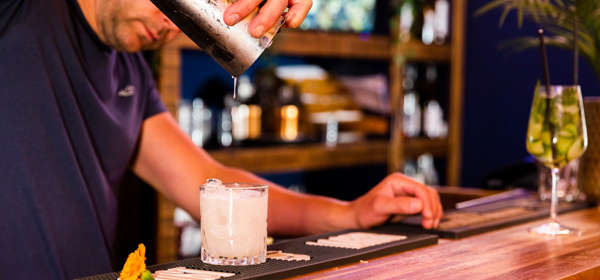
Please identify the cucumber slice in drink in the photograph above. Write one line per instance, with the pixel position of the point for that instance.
(576, 149)
(535, 147)
(569, 130)
(535, 130)
(563, 145)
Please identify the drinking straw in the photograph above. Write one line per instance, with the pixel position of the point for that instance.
(544, 61)
(575, 49)
(548, 90)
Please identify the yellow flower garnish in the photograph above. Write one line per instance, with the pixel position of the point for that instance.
(135, 264)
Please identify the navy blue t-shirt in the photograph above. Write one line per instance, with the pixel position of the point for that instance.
(71, 110)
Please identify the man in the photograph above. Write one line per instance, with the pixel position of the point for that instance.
(78, 109)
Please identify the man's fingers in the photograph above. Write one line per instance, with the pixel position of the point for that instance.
(397, 205)
(268, 15)
(440, 210)
(428, 223)
(297, 12)
(403, 185)
(239, 10)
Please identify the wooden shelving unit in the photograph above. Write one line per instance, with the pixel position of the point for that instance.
(340, 45)
(318, 156)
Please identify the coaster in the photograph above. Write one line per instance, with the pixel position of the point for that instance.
(459, 219)
(280, 255)
(356, 240)
(188, 273)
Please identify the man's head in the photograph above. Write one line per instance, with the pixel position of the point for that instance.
(128, 25)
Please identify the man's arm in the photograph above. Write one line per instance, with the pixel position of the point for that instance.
(169, 161)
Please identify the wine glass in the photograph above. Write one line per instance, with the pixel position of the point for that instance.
(556, 134)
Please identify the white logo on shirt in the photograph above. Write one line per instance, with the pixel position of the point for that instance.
(127, 91)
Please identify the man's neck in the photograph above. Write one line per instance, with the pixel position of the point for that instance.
(88, 7)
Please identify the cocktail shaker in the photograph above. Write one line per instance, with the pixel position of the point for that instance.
(202, 21)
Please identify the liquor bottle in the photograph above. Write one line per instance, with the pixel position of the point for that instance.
(434, 125)
(245, 117)
(428, 29)
(402, 19)
(411, 170)
(267, 86)
(441, 21)
(426, 169)
(184, 116)
(224, 131)
(201, 126)
(411, 108)
(289, 113)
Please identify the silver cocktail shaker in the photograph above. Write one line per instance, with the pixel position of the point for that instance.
(202, 21)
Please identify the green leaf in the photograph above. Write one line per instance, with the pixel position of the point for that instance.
(557, 17)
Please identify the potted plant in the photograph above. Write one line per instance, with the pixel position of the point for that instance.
(561, 19)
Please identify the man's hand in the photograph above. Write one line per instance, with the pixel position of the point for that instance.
(268, 15)
(397, 194)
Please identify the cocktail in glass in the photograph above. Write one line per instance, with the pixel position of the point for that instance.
(233, 220)
(556, 135)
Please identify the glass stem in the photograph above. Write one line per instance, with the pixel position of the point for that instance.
(554, 199)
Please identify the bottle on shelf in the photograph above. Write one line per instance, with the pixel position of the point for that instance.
(246, 114)
(422, 169)
(411, 170)
(289, 113)
(184, 116)
(195, 120)
(407, 19)
(224, 130)
(428, 29)
(280, 106)
(402, 19)
(434, 125)
(411, 108)
(267, 86)
(441, 21)
(201, 127)
(426, 169)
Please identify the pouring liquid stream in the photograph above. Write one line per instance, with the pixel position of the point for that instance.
(234, 86)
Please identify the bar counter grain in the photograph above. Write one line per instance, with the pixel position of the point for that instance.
(510, 253)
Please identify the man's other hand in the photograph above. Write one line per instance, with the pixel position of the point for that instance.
(397, 194)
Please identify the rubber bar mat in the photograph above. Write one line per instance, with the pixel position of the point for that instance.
(321, 257)
(487, 217)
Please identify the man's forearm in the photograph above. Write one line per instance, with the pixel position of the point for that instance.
(170, 162)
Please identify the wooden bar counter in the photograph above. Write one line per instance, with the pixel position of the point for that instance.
(510, 253)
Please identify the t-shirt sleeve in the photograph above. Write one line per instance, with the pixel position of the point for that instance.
(154, 104)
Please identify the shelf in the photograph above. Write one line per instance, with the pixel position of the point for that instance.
(318, 156)
(341, 45)
(323, 44)
(417, 51)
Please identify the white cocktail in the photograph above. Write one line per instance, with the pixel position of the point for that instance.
(233, 223)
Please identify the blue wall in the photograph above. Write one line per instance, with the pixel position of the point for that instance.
(498, 91)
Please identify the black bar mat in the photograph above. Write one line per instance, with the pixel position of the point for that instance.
(487, 217)
(321, 257)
